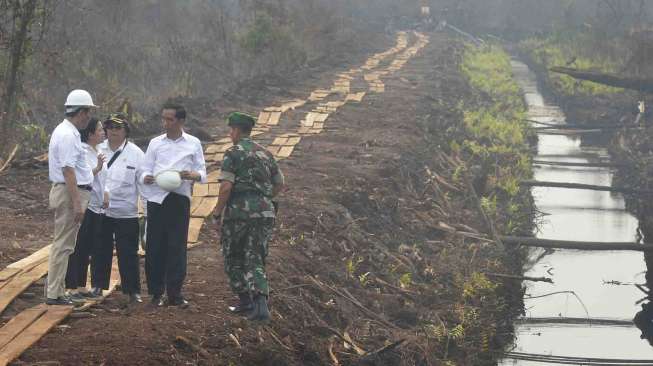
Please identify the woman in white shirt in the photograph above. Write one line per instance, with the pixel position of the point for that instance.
(122, 192)
(89, 234)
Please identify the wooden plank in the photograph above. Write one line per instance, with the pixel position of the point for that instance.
(214, 189)
(194, 228)
(212, 149)
(272, 109)
(53, 316)
(206, 207)
(32, 260)
(8, 273)
(20, 283)
(212, 177)
(304, 130)
(285, 151)
(280, 141)
(200, 190)
(195, 203)
(225, 147)
(292, 141)
(18, 323)
(263, 118)
(577, 245)
(274, 149)
(275, 117)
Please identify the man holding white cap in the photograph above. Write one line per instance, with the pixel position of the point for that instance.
(173, 154)
(71, 178)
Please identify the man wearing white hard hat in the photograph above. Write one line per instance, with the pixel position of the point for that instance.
(120, 226)
(172, 161)
(71, 178)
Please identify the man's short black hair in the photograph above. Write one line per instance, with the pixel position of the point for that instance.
(180, 111)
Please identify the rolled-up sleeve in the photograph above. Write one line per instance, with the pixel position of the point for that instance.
(68, 151)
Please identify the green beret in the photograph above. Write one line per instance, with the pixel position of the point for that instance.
(239, 119)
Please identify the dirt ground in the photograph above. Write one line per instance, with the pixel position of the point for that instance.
(357, 218)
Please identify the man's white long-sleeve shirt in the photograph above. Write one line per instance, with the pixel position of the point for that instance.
(184, 153)
(66, 150)
(122, 183)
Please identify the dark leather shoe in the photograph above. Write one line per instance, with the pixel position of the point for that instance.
(135, 298)
(59, 301)
(178, 301)
(157, 300)
(261, 313)
(244, 305)
(95, 292)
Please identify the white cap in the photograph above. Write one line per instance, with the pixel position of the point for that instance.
(169, 180)
(79, 98)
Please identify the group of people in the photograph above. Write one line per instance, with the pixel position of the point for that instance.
(99, 181)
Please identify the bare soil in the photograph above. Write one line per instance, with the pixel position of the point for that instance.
(358, 251)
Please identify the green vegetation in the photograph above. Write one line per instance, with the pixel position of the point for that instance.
(573, 50)
(497, 134)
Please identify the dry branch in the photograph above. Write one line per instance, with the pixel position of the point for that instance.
(618, 81)
(520, 278)
(578, 245)
(533, 183)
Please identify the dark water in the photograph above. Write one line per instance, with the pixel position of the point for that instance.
(603, 281)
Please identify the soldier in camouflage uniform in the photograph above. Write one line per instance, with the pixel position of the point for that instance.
(249, 179)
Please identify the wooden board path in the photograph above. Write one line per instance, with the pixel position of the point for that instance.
(32, 324)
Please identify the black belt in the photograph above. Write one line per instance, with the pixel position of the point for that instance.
(86, 187)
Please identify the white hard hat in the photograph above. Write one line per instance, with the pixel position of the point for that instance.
(79, 98)
(169, 180)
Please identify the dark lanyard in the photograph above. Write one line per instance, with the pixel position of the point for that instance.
(116, 155)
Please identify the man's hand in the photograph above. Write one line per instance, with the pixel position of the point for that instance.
(188, 175)
(78, 212)
(148, 179)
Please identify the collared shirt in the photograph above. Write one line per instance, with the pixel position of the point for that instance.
(184, 153)
(254, 173)
(66, 150)
(122, 183)
(97, 194)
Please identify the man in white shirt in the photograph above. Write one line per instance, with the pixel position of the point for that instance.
(71, 178)
(168, 213)
(122, 192)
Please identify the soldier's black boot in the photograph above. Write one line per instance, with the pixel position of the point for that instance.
(261, 312)
(245, 304)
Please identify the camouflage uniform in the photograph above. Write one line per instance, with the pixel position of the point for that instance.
(249, 214)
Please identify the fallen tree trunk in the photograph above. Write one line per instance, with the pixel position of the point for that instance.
(534, 183)
(618, 81)
(588, 165)
(561, 320)
(578, 245)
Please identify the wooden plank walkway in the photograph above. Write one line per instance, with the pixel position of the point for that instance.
(29, 326)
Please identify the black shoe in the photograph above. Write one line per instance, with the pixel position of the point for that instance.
(178, 301)
(245, 304)
(94, 293)
(61, 300)
(157, 301)
(76, 299)
(135, 298)
(261, 312)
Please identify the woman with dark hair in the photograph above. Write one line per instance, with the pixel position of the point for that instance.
(89, 234)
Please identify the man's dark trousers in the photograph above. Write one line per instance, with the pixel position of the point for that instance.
(167, 235)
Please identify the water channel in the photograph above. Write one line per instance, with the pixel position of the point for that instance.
(602, 280)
